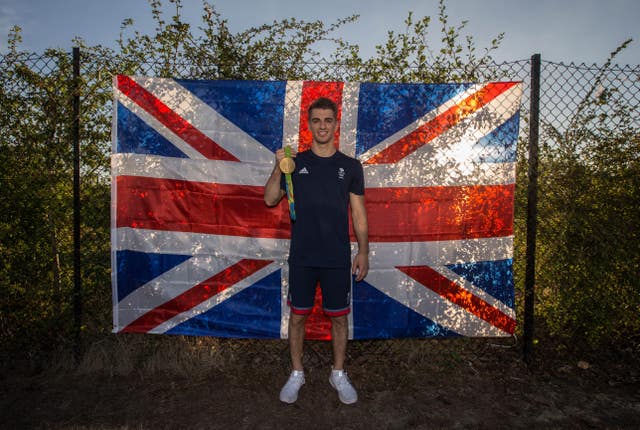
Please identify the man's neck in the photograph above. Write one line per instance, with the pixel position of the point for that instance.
(323, 149)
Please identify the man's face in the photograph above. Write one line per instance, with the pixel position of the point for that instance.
(322, 125)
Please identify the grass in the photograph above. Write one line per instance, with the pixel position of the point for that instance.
(124, 354)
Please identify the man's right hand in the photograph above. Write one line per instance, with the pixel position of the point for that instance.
(280, 155)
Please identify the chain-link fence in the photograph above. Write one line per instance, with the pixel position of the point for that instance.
(588, 182)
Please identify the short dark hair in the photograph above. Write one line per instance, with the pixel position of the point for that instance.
(323, 103)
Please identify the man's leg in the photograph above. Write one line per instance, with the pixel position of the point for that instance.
(339, 335)
(296, 339)
(289, 393)
(338, 378)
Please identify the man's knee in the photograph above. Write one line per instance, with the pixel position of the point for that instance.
(297, 320)
(340, 322)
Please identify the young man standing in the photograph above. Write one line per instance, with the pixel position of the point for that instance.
(325, 183)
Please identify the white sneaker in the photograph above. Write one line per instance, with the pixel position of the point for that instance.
(289, 393)
(341, 383)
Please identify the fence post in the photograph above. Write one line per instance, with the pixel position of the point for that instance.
(77, 279)
(532, 210)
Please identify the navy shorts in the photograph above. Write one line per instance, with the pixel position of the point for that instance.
(335, 284)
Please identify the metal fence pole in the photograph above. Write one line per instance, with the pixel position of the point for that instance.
(532, 202)
(77, 280)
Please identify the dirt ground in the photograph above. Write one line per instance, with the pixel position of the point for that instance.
(411, 384)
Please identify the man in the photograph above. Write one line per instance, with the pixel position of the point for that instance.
(325, 183)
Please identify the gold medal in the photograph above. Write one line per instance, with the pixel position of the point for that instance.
(287, 165)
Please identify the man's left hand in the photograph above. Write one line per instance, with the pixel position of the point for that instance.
(360, 266)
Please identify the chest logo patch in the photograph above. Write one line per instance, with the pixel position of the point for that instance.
(341, 173)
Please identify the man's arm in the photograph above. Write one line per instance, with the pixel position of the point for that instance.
(361, 229)
(272, 191)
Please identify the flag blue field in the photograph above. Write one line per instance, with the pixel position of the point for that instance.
(195, 250)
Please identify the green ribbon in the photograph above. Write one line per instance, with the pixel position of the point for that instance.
(289, 187)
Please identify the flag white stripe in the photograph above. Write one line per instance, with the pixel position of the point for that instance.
(349, 118)
(399, 175)
(208, 171)
(291, 121)
(439, 253)
(229, 172)
(184, 243)
(382, 254)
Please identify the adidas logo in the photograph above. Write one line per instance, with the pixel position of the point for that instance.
(303, 171)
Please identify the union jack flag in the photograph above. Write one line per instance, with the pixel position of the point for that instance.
(196, 251)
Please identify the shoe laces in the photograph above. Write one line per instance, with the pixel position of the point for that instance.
(296, 377)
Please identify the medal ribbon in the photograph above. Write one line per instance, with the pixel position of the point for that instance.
(289, 187)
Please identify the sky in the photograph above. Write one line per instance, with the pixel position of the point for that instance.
(568, 31)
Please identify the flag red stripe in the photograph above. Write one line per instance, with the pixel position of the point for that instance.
(199, 207)
(394, 214)
(429, 131)
(318, 325)
(420, 214)
(461, 297)
(196, 295)
(174, 122)
(311, 90)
